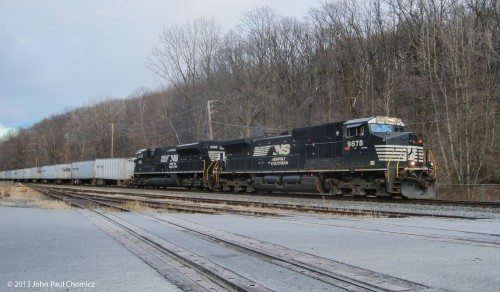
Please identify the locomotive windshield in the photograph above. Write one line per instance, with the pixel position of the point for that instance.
(385, 128)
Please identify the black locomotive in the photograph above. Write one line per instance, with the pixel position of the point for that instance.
(192, 165)
(369, 156)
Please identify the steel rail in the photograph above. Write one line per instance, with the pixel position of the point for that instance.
(267, 209)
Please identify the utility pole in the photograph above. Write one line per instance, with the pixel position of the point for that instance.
(209, 111)
(36, 151)
(66, 136)
(112, 138)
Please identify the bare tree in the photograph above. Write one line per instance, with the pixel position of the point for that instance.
(167, 111)
(185, 58)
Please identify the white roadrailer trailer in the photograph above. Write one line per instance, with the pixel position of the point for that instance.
(83, 172)
(62, 173)
(48, 173)
(114, 171)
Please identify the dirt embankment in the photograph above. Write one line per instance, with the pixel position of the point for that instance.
(19, 195)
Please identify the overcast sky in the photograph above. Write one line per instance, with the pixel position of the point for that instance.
(61, 54)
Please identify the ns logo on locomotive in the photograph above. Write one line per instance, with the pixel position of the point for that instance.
(368, 156)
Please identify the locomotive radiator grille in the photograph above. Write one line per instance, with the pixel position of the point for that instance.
(261, 150)
(399, 153)
(216, 155)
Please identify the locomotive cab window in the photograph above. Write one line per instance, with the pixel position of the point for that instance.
(380, 128)
(383, 128)
(399, 129)
(354, 130)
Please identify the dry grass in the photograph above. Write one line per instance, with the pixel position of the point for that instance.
(22, 193)
(5, 190)
(361, 214)
(137, 206)
(51, 204)
(371, 214)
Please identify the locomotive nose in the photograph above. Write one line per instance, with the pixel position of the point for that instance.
(404, 138)
(398, 138)
(406, 149)
(413, 139)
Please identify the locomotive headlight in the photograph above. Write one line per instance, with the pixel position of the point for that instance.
(412, 163)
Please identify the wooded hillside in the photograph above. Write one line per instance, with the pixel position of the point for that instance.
(434, 63)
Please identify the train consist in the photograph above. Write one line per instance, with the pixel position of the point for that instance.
(113, 171)
(369, 156)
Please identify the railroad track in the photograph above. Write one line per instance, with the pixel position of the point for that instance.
(205, 209)
(328, 198)
(192, 272)
(187, 271)
(220, 205)
(457, 203)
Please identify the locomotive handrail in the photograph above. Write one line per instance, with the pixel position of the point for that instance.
(219, 169)
(389, 164)
(396, 175)
(388, 172)
(390, 158)
(433, 163)
(204, 167)
(205, 176)
(216, 171)
(397, 165)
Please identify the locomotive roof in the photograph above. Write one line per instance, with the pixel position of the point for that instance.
(374, 120)
(271, 138)
(197, 147)
(140, 151)
(167, 148)
(236, 142)
(199, 143)
(358, 121)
